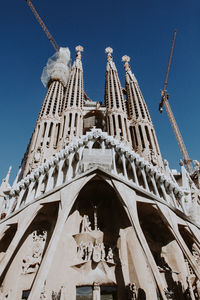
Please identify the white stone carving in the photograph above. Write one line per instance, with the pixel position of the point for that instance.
(43, 294)
(86, 224)
(86, 251)
(110, 256)
(174, 192)
(196, 253)
(32, 262)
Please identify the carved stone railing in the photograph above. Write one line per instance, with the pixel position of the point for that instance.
(68, 164)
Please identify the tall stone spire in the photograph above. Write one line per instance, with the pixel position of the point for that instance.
(142, 132)
(72, 120)
(114, 101)
(45, 138)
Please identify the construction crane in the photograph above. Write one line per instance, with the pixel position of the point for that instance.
(46, 31)
(164, 100)
(48, 34)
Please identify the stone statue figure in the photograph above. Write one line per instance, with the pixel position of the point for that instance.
(89, 250)
(86, 224)
(103, 254)
(80, 253)
(97, 255)
(109, 257)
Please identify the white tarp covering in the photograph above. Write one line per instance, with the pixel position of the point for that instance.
(58, 67)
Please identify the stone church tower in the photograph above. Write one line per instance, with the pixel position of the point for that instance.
(94, 213)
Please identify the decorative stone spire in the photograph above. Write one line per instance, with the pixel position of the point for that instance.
(4, 187)
(73, 102)
(142, 132)
(114, 101)
(45, 138)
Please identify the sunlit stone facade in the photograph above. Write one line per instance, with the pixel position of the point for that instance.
(94, 212)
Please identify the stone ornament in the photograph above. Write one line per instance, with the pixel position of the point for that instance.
(92, 250)
(109, 50)
(31, 263)
(196, 253)
(86, 251)
(86, 224)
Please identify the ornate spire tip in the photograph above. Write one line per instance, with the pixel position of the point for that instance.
(109, 50)
(79, 48)
(126, 58)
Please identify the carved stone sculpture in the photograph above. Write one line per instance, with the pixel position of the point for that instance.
(109, 257)
(97, 253)
(86, 224)
(86, 251)
(89, 250)
(196, 253)
(56, 296)
(32, 262)
(103, 254)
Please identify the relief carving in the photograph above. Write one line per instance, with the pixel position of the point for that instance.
(86, 224)
(196, 253)
(31, 263)
(43, 294)
(91, 247)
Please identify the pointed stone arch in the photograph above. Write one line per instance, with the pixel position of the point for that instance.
(28, 254)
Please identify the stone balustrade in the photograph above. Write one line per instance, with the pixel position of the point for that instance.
(66, 165)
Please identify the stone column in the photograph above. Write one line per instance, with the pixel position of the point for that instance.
(96, 293)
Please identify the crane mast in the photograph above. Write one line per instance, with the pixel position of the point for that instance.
(46, 31)
(164, 100)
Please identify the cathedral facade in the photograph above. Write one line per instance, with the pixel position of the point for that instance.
(95, 212)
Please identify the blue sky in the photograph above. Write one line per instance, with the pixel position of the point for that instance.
(141, 29)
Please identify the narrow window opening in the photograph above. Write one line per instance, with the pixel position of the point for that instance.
(70, 119)
(63, 126)
(50, 129)
(120, 125)
(126, 129)
(45, 126)
(114, 126)
(141, 136)
(75, 122)
(132, 136)
(155, 141)
(148, 137)
(58, 131)
(135, 134)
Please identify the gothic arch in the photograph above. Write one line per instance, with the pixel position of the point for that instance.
(28, 255)
(162, 244)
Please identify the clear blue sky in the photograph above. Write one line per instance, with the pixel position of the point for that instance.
(141, 29)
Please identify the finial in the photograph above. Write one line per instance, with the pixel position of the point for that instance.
(126, 60)
(109, 52)
(8, 174)
(78, 49)
(166, 164)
